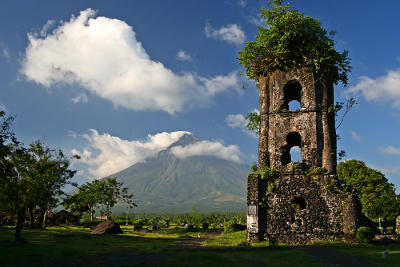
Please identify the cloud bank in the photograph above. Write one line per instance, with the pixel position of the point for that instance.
(208, 148)
(103, 56)
(231, 33)
(105, 154)
(390, 150)
(384, 88)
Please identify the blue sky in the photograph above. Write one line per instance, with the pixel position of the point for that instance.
(117, 81)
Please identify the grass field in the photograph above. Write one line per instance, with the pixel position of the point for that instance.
(74, 246)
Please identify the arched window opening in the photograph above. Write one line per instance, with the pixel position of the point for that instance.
(295, 154)
(292, 93)
(291, 152)
(298, 203)
(294, 105)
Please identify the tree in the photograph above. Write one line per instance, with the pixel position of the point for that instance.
(291, 39)
(13, 185)
(376, 194)
(48, 172)
(105, 192)
(29, 176)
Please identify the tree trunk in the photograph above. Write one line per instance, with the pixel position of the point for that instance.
(20, 224)
(44, 220)
(32, 217)
(91, 213)
(41, 216)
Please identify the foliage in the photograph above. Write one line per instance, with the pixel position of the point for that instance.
(137, 227)
(234, 224)
(365, 234)
(105, 192)
(205, 225)
(268, 174)
(341, 154)
(291, 39)
(29, 177)
(253, 167)
(49, 171)
(376, 194)
(253, 122)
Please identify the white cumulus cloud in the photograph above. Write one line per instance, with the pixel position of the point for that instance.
(103, 56)
(239, 121)
(231, 33)
(390, 150)
(384, 88)
(208, 148)
(183, 56)
(105, 154)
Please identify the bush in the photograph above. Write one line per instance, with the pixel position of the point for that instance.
(232, 226)
(137, 227)
(228, 226)
(141, 222)
(190, 228)
(365, 234)
(205, 225)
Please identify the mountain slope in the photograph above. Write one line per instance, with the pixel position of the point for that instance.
(169, 184)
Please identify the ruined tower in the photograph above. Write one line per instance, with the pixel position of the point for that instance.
(300, 203)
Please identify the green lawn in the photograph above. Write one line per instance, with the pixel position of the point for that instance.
(74, 246)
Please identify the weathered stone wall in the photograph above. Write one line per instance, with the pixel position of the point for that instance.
(292, 121)
(398, 225)
(319, 218)
(312, 121)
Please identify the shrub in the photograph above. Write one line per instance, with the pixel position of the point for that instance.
(190, 228)
(141, 222)
(205, 225)
(137, 227)
(228, 226)
(365, 234)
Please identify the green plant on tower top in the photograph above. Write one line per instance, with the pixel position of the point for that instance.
(290, 39)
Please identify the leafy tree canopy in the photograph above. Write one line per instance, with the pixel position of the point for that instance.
(291, 39)
(104, 192)
(376, 194)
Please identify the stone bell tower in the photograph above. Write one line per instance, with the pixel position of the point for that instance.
(300, 205)
(310, 127)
